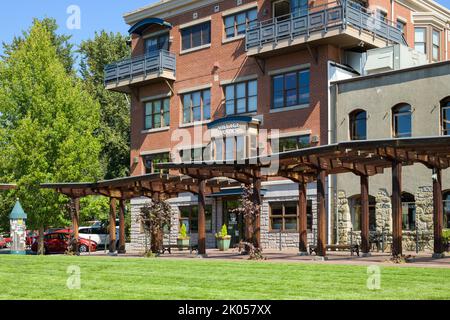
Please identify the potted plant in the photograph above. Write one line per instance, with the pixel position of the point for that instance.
(183, 238)
(446, 239)
(223, 239)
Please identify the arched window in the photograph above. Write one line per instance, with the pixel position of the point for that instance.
(445, 116)
(446, 199)
(402, 121)
(355, 212)
(358, 125)
(408, 211)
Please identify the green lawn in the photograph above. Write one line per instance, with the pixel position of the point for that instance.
(34, 277)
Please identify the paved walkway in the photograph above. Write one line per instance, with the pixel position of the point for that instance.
(423, 259)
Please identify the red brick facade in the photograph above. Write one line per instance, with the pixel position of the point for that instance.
(228, 60)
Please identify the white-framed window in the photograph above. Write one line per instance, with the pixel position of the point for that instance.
(436, 40)
(420, 39)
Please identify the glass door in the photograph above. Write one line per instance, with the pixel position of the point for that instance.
(233, 221)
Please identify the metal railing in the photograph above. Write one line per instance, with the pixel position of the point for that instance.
(321, 18)
(144, 65)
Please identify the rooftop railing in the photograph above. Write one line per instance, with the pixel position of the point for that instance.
(321, 18)
(155, 62)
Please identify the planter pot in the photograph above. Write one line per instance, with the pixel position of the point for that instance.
(183, 243)
(223, 244)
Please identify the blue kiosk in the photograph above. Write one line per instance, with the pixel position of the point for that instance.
(17, 220)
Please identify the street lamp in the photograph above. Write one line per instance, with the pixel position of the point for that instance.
(17, 220)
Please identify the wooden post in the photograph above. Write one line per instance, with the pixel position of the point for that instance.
(257, 201)
(75, 222)
(201, 218)
(121, 248)
(397, 228)
(365, 245)
(303, 220)
(438, 213)
(112, 226)
(321, 215)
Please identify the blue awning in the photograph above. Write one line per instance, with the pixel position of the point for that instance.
(231, 192)
(219, 121)
(139, 27)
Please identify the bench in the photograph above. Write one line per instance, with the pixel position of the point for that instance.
(354, 248)
(168, 248)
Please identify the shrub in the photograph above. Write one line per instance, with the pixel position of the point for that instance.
(223, 233)
(446, 236)
(183, 233)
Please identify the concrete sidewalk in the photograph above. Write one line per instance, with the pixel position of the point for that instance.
(423, 259)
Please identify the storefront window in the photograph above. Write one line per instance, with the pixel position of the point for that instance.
(189, 217)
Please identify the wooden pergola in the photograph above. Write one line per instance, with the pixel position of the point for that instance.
(245, 173)
(362, 158)
(154, 186)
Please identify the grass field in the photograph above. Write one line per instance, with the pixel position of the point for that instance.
(33, 277)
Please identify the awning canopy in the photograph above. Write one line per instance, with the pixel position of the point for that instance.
(139, 27)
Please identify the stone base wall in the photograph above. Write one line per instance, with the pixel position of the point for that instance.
(383, 216)
(139, 240)
(269, 240)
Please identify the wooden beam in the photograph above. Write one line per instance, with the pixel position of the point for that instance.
(365, 246)
(438, 212)
(257, 201)
(397, 231)
(303, 220)
(75, 221)
(321, 215)
(201, 218)
(121, 248)
(112, 225)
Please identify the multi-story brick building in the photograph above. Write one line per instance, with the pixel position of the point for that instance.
(199, 65)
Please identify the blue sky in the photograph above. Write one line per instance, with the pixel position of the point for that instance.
(95, 15)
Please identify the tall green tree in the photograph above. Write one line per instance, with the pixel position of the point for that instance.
(114, 130)
(47, 127)
(64, 48)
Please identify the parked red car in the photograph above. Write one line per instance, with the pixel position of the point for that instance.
(58, 242)
(5, 242)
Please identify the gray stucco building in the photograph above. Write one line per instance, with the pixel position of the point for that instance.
(412, 102)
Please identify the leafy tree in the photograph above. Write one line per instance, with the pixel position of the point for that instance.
(94, 208)
(62, 43)
(114, 130)
(47, 126)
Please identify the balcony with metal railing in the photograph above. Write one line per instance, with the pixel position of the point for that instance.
(122, 75)
(344, 22)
